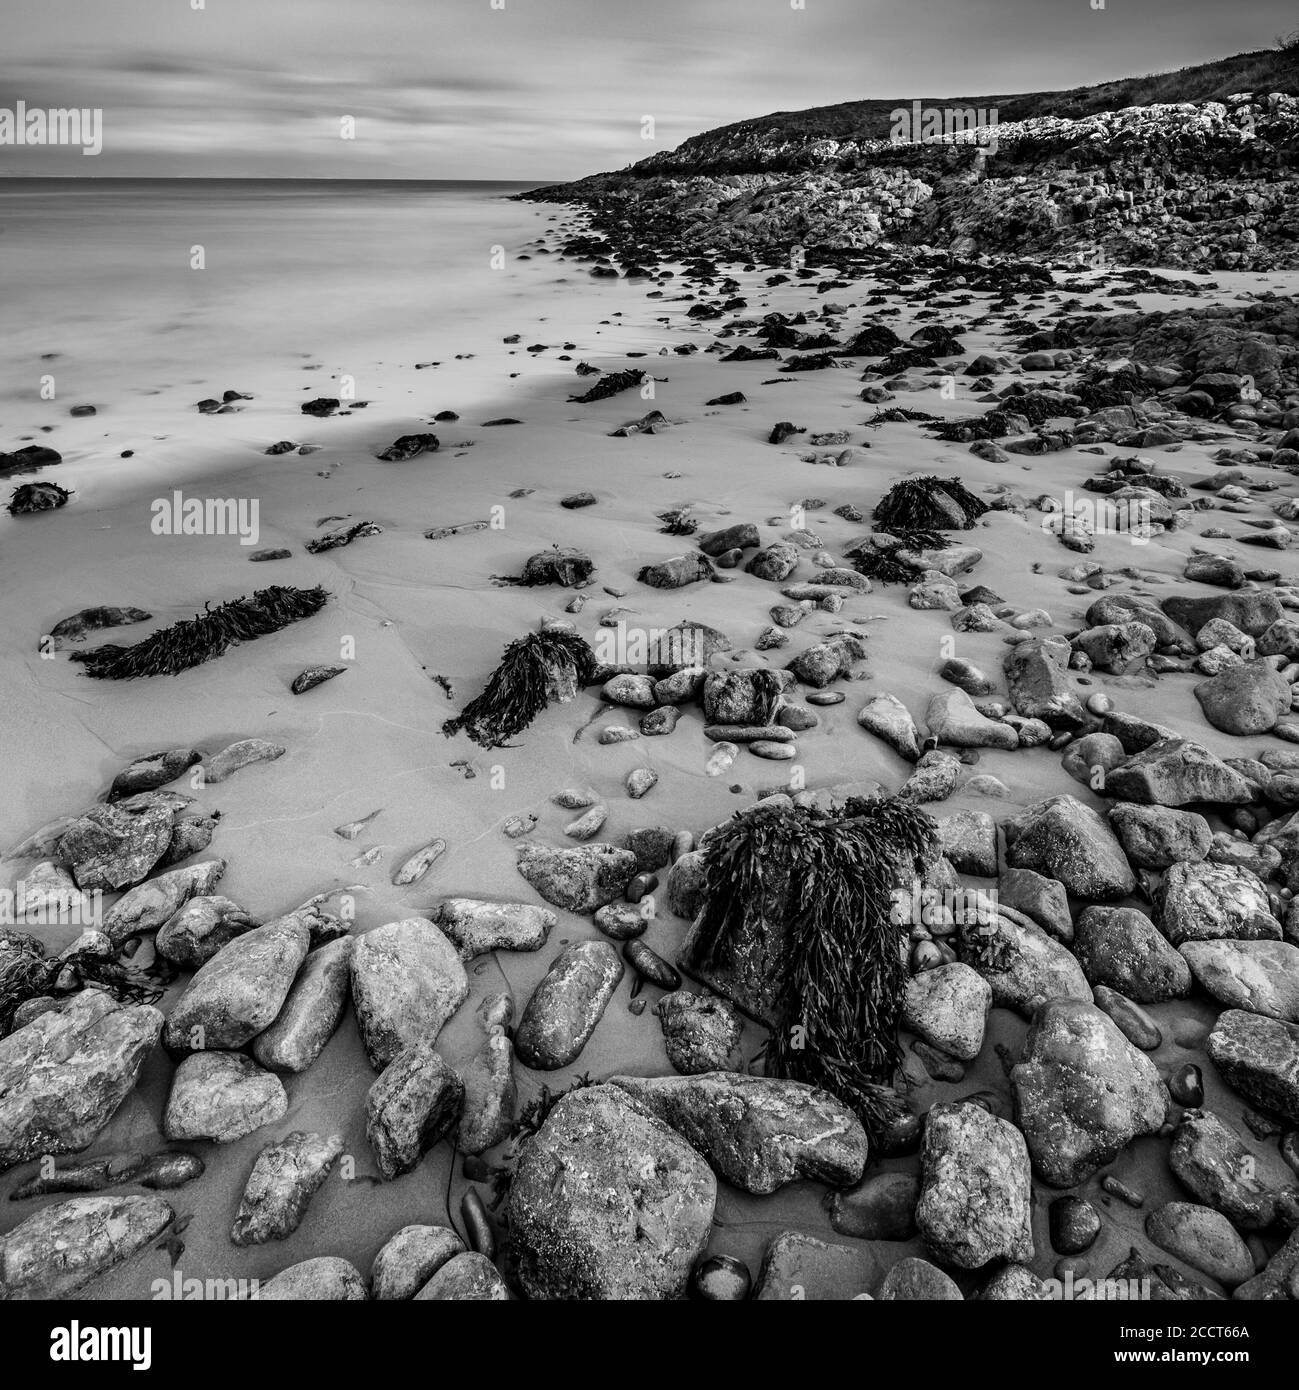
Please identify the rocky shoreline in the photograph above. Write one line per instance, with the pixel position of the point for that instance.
(1086, 1029)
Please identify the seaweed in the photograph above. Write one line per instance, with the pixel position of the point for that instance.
(678, 522)
(830, 874)
(896, 415)
(611, 384)
(534, 670)
(914, 505)
(26, 973)
(28, 498)
(210, 634)
(887, 566)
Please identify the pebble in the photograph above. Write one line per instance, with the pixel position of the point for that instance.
(1075, 1224)
(1186, 1086)
(1122, 1191)
(639, 781)
(650, 965)
(720, 1279)
(640, 886)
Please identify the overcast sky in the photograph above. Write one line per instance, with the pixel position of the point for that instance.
(540, 89)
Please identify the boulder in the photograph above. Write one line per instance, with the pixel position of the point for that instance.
(112, 848)
(285, 1177)
(1203, 1239)
(953, 719)
(565, 1007)
(608, 1203)
(888, 718)
(578, 879)
(151, 905)
(1261, 977)
(701, 1032)
(1218, 1170)
(479, 927)
(948, 1007)
(311, 1012)
(221, 1096)
(1037, 672)
(1082, 1092)
(1123, 949)
(976, 1203)
(416, 1100)
(1156, 837)
(1259, 1057)
(759, 1133)
(466, 1278)
(1177, 772)
(1245, 699)
(63, 1075)
(410, 1259)
(407, 980)
(1207, 902)
(1065, 840)
(327, 1278)
(1035, 968)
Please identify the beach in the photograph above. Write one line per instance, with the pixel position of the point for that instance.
(389, 301)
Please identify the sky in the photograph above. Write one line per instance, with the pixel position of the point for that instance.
(538, 90)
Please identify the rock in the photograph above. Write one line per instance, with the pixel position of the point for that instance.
(1217, 1169)
(888, 718)
(567, 567)
(1082, 1092)
(741, 536)
(415, 1102)
(1065, 840)
(240, 755)
(1204, 1239)
(1278, 1279)
(1075, 1224)
(412, 869)
(111, 848)
(1133, 1021)
(1118, 609)
(966, 675)
(221, 1096)
(934, 778)
(1252, 612)
(490, 1094)
(948, 1007)
(311, 1012)
(314, 676)
(64, 1074)
(1118, 647)
(1259, 1057)
(652, 847)
(577, 879)
(239, 992)
(915, 1280)
(1041, 898)
(883, 1207)
(976, 1201)
(640, 781)
(1156, 837)
(285, 1177)
(798, 1268)
(327, 1278)
(746, 697)
(407, 980)
(1036, 969)
(1123, 949)
(776, 563)
(1014, 1284)
(701, 1033)
(1177, 772)
(565, 1007)
(477, 927)
(1037, 672)
(608, 1203)
(659, 722)
(199, 929)
(1261, 977)
(62, 1248)
(677, 572)
(969, 840)
(953, 719)
(621, 921)
(1205, 902)
(633, 691)
(757, 1132)
(151, 771)
(685, 885)
(818, 665)
(469, 1277)
(1247, 699)
(1090, 758)
(410, 1259)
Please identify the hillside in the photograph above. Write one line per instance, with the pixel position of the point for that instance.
(1199, 171)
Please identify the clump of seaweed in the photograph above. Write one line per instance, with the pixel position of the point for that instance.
(843, 972)
(928, 504)
(897, 415)
(534, 670)
(678, 522)
(611, 384)
(26, 973)
(210, 634)
(887, 566)
(37, 497)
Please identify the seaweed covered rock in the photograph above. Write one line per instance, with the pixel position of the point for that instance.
(608, 1203)
(566, 566)
(30, 498)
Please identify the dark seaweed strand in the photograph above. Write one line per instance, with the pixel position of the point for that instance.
(517, 691)
(207, 635)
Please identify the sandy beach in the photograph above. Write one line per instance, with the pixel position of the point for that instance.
(420, 623)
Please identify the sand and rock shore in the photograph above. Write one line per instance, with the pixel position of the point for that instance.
(364, 941)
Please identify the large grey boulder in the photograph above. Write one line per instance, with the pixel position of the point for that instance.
(1206, 902)
(1065, 840)
(1177, 772)
(976, 1204)
(759, 1133)
(1082, 1092)
(565, 1007)
(608, 1203)
(311, 1012)
(1261, 977)
(63, 1076)
(1259, 1057)
(1122, 948)
(579, 878)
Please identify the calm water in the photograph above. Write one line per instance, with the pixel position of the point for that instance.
(99, 271)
